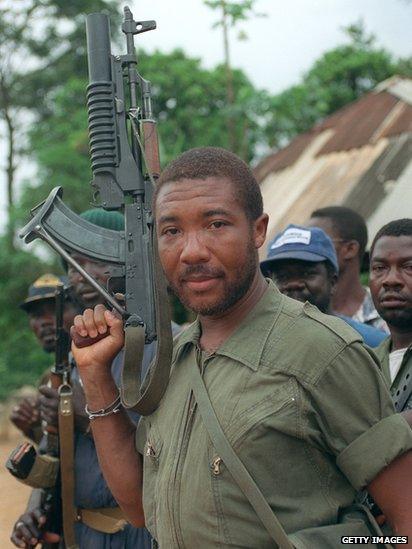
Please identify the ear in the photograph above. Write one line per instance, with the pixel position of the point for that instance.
(350, 249)
(333, 281)
(260, 226)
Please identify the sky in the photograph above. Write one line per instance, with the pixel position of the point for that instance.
(280, 46)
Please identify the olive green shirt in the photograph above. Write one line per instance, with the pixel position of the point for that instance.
(304, 406)
(401, 381)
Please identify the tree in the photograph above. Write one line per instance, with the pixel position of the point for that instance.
(337, 78)
(231, 13)
(188, 102)
(22, 361)
(42, 43)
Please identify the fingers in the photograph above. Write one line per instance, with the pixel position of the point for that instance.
(25, 532)
(91, 322)
(113, 322)
(48, 392)
(39, 516)
(100, 319)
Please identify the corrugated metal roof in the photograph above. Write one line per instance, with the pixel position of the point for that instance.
(315, 181)
(364, 179)
(385, 112)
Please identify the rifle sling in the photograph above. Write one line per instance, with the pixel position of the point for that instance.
(405, 391)
(66, 441)
(158, 376)
(234, 464)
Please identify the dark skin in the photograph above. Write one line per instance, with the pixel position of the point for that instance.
(192, 232)
(83, 290)
(390, 283)
(349, 293)
(49, 399)
(201, 253)
(42, 321)
(304, 281)
(28, 528)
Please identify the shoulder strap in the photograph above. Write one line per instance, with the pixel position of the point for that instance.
(234, 465)
(66, 444)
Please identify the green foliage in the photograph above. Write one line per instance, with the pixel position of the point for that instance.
(59, 144)
(22, 361)
(190, 104)
(234, 12)
(337, 78)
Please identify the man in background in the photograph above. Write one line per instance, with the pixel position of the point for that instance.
(303, 264)
(391, 288)
(348, 232)
(40, 308)
(109, 529)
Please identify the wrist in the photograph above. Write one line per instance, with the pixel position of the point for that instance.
(100, 393)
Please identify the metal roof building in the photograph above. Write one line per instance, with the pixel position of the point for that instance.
(359, 157)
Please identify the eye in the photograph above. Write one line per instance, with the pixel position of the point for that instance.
(170, 231)
(218, 224)
(377, 268)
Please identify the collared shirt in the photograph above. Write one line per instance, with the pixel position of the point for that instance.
(301, 401)
(402, 379)
(367, 313)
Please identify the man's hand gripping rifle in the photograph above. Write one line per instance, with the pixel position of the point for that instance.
(125, 163)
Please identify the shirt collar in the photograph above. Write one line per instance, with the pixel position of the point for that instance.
(246, 344)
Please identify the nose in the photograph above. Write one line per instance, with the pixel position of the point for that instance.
(292, 284)
(194, 250)
(393, 278)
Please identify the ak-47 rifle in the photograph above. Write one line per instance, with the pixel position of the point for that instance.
(53, 492)
(59, 500)
(125, 164)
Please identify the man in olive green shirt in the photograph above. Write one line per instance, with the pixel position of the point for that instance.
(298, 396)
(391, 289)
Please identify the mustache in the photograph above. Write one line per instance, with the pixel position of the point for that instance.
(45, 332)
(299, 296)
(84, 288)
(200, 270)
(393, 294)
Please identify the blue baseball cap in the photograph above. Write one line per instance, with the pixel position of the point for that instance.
(305, 243)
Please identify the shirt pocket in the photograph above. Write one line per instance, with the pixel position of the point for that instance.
(152, 455)
(237, 521)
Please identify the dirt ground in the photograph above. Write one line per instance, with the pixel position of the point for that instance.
(13, 494)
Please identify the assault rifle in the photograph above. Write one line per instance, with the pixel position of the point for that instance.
(40, 468)
(125, 164)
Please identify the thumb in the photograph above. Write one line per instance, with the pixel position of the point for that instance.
(114, 322)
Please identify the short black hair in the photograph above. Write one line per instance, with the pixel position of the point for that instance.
(349, 225)
(204, 162)
(398, 227)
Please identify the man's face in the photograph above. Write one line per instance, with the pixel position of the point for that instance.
(83, 289)
(391, 280)
(207, 245)
(326, 225)
(42, 321)
(304, 281)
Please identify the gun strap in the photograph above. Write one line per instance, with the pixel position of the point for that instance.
(404, 392)
(66, 440)
(132, 397)
(234, 465)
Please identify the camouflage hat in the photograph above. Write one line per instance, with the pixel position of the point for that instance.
(42, 288)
